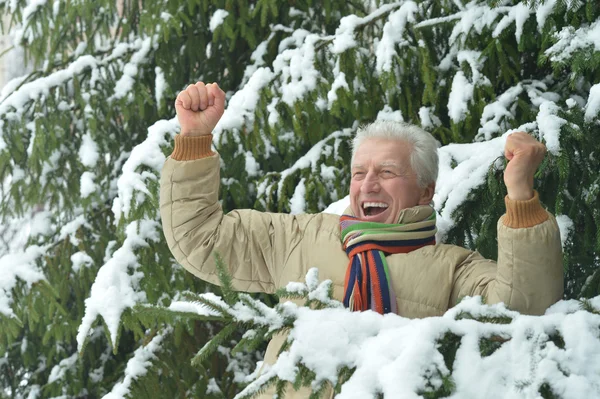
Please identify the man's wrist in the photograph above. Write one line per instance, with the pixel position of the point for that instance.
(522, 193)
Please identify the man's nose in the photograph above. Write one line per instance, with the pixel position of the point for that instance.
(370, 183)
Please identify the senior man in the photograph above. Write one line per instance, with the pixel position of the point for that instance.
(381, 254)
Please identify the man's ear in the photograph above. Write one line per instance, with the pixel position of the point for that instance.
(427, 194)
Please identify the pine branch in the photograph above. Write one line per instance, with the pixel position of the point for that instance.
(213, 345)
(225, 279)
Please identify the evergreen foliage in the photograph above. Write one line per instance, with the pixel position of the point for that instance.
(83, 138)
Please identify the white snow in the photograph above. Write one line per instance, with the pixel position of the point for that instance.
(80, 259)
(428, 118)
(454, 184)
(70, 229)
(298, 201)
(88, 152)
(496, 112)
(159, 85)
(138, 365)
(388, 114)
(41, 86)
(241, 106)
(252, 167)
(543, 12)
(192, 307)
(565, 225)
(296, 66)
(385, 347)
(217, 19)
(58, 372)
(32, 128)
(148, 153)
(130, 70)
(476, 62)
(474, 16)
(344, 34)
(549, 124)
(460, 96)
(339, 82)
(309, 159)
(517, 14)
(21, 266)
(571, 40)
(87, 185)
(338, 207)
(393, 35)
(41, 224)
(115, 288)
(257, 57)
(593, 104)
(212, 387)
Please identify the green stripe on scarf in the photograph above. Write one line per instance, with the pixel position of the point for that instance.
(416, 230)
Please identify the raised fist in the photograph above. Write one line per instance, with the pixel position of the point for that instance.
(524, 154)
(199, 108)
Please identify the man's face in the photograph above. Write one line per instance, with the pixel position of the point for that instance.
(383, 182)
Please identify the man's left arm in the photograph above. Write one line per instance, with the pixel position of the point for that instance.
(528, 276)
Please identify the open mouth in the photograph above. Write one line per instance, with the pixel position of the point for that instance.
(374, 208)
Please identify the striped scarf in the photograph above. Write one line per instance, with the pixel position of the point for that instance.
(368, 284)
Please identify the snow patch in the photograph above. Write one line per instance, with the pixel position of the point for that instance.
(593, 103)
(565, 225)
(115, 289)
(217, 19)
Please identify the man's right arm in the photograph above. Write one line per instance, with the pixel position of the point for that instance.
(195, 226)
(252, 244)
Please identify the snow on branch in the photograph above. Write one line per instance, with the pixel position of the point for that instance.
(344, 34)
(454, 183)
(18, 266)
(241, 106)
(474, 350)
(16, 101)
(393, 34)
(130, 70)
(138, 365)
(58, 372)
(308, 160)
(571, 40)
(549, 124)
(593, 103)
(496, 112)
(147, 153)
(115, 289)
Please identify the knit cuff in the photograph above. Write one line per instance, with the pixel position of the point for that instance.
(523, 214)
(188, 148)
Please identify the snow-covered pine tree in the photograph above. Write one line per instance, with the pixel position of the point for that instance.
(83, 138)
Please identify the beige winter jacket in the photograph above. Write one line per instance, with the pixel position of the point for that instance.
(265, 251)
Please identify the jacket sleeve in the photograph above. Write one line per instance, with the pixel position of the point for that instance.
(528, 276)
(252, 244)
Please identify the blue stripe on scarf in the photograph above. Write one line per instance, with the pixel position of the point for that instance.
(369, 293)
(351, 281)
(356, 276)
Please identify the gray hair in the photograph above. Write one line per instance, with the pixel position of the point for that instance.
(423, 158)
